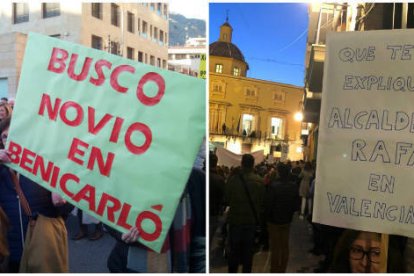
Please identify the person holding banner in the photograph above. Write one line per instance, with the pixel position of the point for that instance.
(33, 212)
(184, 248)
(280, 205)
(5, 111)
(306, 177)
(360, 252)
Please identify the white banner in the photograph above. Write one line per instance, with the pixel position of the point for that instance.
(231, 159)
(366, 138)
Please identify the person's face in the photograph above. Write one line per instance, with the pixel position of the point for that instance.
(364, 254)
(3, 112)
(4, 136)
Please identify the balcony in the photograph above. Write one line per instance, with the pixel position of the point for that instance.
(313, 84)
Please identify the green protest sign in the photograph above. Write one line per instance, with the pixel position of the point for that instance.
(114, 137)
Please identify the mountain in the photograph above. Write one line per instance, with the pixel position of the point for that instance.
(182, 28)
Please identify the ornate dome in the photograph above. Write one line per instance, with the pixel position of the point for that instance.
(226, 49)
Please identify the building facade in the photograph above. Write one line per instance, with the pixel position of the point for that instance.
(186, 59)
(135, 31)
(246, 114)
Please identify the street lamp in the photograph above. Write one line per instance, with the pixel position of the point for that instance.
(298, 116)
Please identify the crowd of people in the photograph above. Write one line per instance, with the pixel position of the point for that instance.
(267, 196)
(34, 238)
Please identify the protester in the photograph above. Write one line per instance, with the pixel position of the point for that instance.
(217, 185)
(306, 177)
(5, 111)
(244, 193)
(46, 248)
(360, 252)
(280, 205)
(83, 227)
(4, 247)
(4, 100)
(409, 255)
(184, 248)
(11, 102)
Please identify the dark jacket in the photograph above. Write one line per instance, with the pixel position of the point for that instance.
(217, 185)
(241, 212)
(280, 202)
(40, 202)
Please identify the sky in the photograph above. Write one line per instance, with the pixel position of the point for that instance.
(191, 9)
(271, 36)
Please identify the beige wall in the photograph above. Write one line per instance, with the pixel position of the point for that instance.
(134, 40)
(12, 47)
(227, 106)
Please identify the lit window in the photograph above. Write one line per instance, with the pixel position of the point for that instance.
(276, 127)
(236, 71)
(247, 124)
(219, 68)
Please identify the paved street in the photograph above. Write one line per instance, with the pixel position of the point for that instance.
(87, 256)
(299, 260)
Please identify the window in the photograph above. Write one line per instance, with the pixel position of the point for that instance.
(50, 9)
(20, 12)
(114, 48)
(131, 20)
(219, 68)
(115, 15)
(276, 128)
(140, 56)
(159, 8)
(152, 60)
(247, 124)
(279, 97)
(164, 64)
(150, 31)
(236, 71)
(250, 92)
(161, 37)
(97, 10)
(165, 9)
(130, 53)
(146, 58)
(217, 87)
(155, 33)
(159, 62)
(144, 28)
(96, 42)
(55, 36)
(152, 6)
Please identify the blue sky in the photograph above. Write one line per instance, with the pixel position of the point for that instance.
(271, 36)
